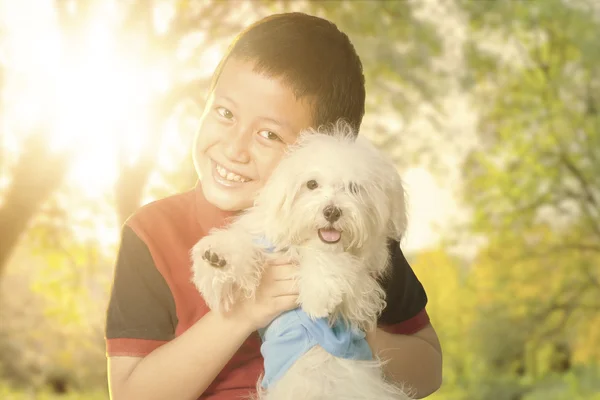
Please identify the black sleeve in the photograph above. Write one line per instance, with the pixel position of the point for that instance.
(141, 305)
(405, 295)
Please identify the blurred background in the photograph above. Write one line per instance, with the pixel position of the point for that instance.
(491, 109)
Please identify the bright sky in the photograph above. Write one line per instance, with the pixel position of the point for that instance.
(429, 204)
(98, 101)
(95, 101)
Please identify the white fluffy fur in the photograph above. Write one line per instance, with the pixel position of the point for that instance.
(335, 280)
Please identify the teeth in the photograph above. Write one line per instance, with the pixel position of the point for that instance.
(230, 176)
(233, 177)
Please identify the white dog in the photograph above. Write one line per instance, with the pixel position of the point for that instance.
(330, 205)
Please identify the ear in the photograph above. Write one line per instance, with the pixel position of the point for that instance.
(398, 206)
(275, 202)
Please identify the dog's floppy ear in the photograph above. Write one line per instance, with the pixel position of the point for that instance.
(388, 178)
(278, 194)
(399, 218)
(275, 200)
(398, 204)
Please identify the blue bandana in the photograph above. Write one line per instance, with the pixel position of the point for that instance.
(293, 333)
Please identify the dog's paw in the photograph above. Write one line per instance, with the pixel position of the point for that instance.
(225, 268)
(213, 274)
(214, 249)
(365, 303)
(213, 259)
(319, 303)
(324, 278)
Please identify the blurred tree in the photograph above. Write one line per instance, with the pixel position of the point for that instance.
(533, 184)
(533, 315)
(452, 306)
(29, 187)
(510, 325)
(539, 97)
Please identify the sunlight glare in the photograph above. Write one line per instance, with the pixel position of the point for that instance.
(93, 100)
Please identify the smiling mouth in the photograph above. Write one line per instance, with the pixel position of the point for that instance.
(223, 175)
(329, 235)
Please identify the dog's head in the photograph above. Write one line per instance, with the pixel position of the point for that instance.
(333, 190)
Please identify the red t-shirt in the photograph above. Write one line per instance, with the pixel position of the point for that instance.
(153, 300)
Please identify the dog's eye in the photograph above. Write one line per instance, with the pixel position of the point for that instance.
(312, 184)
(353, 187)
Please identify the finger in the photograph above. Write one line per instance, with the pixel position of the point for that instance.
(280, 272)
(284, 272)
(284, 288)
(280, 260)
(285, 303)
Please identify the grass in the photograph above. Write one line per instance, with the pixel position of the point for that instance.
(8, 393)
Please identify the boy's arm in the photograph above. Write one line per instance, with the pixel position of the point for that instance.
(145, 360)
(414, 360)
(405, 336)
(182, 368)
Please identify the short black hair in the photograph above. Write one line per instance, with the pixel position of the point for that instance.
(311, 55)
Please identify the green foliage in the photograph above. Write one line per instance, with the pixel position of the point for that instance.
(500, 342)
(533, 187)
(52, 305)
(539, 116)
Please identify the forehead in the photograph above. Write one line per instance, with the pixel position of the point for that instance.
(262, 96)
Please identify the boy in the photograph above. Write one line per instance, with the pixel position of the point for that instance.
(281, 75)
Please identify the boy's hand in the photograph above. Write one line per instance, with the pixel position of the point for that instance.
(276, 293)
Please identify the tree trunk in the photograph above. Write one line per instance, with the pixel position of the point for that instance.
(36, 176)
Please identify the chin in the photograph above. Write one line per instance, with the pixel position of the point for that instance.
(226, 198)
(223, 199)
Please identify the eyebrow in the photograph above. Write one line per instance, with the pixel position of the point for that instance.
(276, 122)
(226, 98)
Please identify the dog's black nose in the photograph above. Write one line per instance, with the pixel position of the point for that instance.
(332, 213)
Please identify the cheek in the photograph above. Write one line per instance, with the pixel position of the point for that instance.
(266, 161)
(206, 135)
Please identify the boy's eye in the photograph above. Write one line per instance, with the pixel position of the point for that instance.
(269, 135)
(225, 113)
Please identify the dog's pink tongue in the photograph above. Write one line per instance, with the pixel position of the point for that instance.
(330, 235)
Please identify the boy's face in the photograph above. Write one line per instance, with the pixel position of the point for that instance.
(248, 122)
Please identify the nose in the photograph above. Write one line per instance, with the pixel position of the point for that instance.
(236, 145)
(332, 213)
